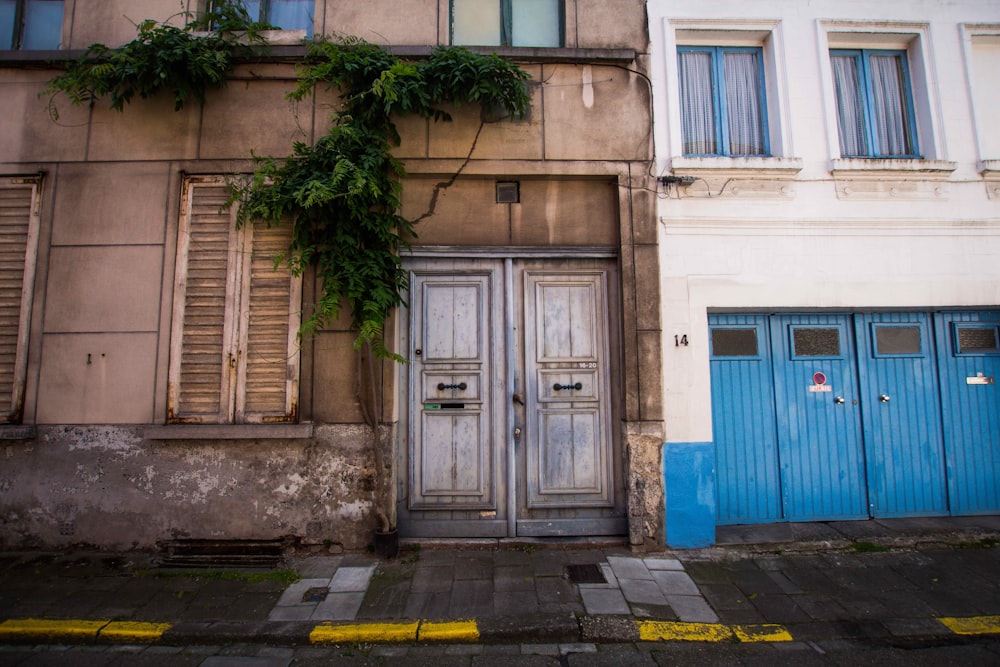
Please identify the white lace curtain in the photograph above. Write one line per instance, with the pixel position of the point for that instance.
(741, 115)
(890, 132)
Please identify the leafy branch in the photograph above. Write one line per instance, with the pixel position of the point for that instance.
(342, 195)
(181, 60)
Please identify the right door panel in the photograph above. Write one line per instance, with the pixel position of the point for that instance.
(902, 415)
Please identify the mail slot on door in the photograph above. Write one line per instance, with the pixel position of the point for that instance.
(440, 386)
(558, 385)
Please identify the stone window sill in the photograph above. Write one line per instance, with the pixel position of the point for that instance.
(228, 432)
(898, 169)
(17, 432)
(744, 166)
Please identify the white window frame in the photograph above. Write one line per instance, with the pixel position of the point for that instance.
(768, 36)
(234, 359)
(989, 162)
(31, 187)
(912, 38)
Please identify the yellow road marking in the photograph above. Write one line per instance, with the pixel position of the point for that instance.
(38, 628)
(710, 632)
(364, 632)
(652, 631)
(134, 632)
(766, 632)
(454, 631)
(973, 625)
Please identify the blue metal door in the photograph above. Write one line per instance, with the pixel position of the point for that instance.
(819, 426)
(743, 420)
(901, 414)
(969, 363)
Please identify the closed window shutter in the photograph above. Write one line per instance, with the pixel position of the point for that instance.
(269, 322)
(18, 246)
(202, 354)
(234, 354)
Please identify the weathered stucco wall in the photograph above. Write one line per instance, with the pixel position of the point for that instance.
(99, 339)
(107, 486)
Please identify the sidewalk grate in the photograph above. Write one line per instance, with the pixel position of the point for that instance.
(585, 574)
(317, 594)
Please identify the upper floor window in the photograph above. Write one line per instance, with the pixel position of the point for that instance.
(507, 22)
(284, 14)
(31, 24)
(875, 114)
(722, 101)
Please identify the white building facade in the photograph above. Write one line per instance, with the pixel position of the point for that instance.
(830, 259)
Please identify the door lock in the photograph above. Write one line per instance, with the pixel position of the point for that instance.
(883, 398)
(517, 433)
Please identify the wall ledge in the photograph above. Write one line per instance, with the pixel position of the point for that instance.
(228, 432)
(17, 432)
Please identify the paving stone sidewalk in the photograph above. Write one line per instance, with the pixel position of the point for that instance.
(529, 592)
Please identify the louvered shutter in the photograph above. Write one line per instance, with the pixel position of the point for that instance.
(18, 247)
(202, 363)
(269, 321)
(234, 355)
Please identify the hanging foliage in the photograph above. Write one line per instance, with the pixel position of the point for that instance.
(342, 194)
(184, 61)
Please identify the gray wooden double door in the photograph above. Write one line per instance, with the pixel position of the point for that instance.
(509, 427)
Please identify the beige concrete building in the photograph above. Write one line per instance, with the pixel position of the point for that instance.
(153, 384)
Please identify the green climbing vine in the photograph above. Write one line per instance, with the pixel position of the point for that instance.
(342, 194)
(185, 61)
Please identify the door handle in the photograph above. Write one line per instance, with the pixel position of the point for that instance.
(517, 399)
(883, 398)
(839, 400)
(558, 387)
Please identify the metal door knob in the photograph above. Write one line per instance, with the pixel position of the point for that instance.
(839, 400)
(883, 398)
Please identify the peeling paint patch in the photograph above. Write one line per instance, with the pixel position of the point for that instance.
(588, 87)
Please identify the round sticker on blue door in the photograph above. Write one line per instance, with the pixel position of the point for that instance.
(819, 378)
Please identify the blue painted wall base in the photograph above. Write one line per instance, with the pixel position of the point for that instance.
(689, 490)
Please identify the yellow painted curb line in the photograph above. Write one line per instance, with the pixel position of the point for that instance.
(973, 625)
(652, 631)
(364, 632)
(39, 628)
(766, 632)
(128, 631)
(453, 631)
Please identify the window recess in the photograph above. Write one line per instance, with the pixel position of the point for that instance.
(284, 14)
(875, 113)
(723, 109)
(525, 23)
(31, 24)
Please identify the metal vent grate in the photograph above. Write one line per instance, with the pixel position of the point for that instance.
(585, 574)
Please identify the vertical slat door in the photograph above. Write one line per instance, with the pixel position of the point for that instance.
(743, 420)
(453, 458)
(901, 414)
(819, 437)
(568, 438)
(969, 367)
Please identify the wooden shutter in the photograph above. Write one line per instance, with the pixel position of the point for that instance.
(268, 371)
(202, 360)
(233, 348)
(18, 249)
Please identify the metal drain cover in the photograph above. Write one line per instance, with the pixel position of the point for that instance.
(586, 574)
(317, 594)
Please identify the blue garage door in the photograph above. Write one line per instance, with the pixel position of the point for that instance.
(843, 416)
(969, 362)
